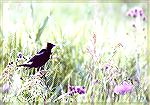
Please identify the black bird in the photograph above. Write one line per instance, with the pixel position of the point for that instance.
(40, 58)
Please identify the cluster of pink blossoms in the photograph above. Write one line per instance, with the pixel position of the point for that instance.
(123, 88)
(136, 12)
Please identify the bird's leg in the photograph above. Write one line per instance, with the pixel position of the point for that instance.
(38, 68)
(45, 100)
(33, 101)
(33, 71)
(42, 68)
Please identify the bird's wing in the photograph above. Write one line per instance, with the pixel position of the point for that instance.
(36, 57)
(42, 51)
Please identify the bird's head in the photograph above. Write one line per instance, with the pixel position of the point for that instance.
(50, 46)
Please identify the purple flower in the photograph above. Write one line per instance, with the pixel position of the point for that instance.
(136, 12)
(6, 87)
(107, 66)
(141, 14)
(19, 55)
(134, 15)
(129, 14)
(76, 89)
(124, 88)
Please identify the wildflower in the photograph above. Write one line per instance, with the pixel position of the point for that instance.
(107, 66)
(6, 87)
(136, 12)
(20, 56)
(76, 89)
(124, 88)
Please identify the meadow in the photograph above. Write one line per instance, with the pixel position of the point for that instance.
(101, 55)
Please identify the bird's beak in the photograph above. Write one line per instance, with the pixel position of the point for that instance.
(54, 45)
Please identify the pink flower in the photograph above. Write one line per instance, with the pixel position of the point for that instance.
(136, 12)
(124, 88)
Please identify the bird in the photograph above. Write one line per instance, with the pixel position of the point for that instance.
(40, 58)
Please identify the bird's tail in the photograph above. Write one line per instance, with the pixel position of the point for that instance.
(25, 65)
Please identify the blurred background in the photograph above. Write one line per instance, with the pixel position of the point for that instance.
(36, 23)
(26, 27)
